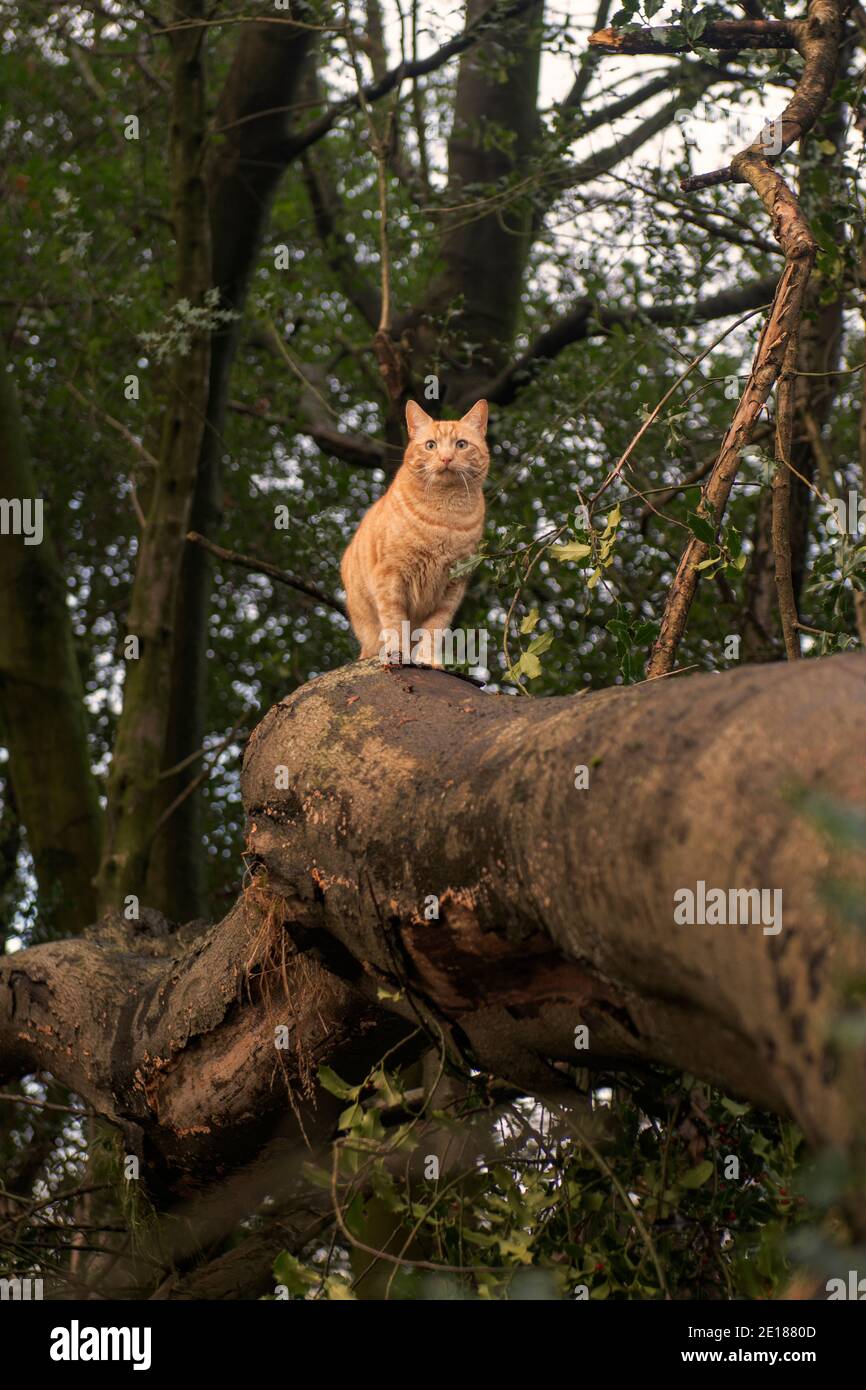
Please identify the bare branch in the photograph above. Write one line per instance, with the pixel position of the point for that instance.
(820, 43)
(497, 15)
(781, 524)
(590, 320)
(730, 35)
(249, 562)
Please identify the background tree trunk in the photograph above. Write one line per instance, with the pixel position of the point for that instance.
(41, 701)
(252, 148)
(139, 747)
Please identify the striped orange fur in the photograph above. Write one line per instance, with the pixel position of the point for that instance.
(397, 566)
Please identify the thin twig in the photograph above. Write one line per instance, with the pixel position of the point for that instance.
(249, 562)
(781, 518)
(653, 416)
(202, 776)
(47, 1105)
(130, 438)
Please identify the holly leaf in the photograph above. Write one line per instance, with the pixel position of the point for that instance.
(572, 550)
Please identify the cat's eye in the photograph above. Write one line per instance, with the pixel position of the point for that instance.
(431, 444)
(461, 443)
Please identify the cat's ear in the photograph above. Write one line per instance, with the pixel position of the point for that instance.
(476, 418)
(416, 418)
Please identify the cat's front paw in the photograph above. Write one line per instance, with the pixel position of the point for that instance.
(424, 651)
(390, 650)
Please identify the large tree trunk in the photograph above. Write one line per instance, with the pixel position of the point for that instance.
(484, 256)
(252, 116)
(556, 907)
(133, 810)
(42, 701)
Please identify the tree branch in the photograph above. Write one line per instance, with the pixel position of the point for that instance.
(729, 35)
(497, 15)
(570, 934)
(781, 522)
(249, 562)
(820, 43)
(590, 320)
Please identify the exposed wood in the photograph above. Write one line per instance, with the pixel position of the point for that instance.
(556, 907)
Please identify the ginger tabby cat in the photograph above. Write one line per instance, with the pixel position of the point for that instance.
(397, 567)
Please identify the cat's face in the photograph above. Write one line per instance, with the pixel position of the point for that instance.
(448, 452)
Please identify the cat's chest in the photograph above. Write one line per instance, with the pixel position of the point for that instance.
(445, 534)
(442, 544)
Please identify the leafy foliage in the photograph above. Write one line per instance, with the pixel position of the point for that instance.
(633, 1201)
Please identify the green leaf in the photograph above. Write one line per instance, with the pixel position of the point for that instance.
(702, 528)
(540, 643)
(696, 1177)
(519, 1246)
(530, 621)
(332, 1082)
(289, 1271)
(572, 550)
(735, 1107)
(464, 567)
(351, 1117)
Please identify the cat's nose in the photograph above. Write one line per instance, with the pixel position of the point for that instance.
(446, 459)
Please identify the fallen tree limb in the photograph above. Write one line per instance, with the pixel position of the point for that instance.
(373, 794)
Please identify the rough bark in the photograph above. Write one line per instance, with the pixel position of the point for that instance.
(139, 745)
(243, 174)
(484, 255)
(42, 714)
(556, 907)
(729, 35)
(781, 502)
